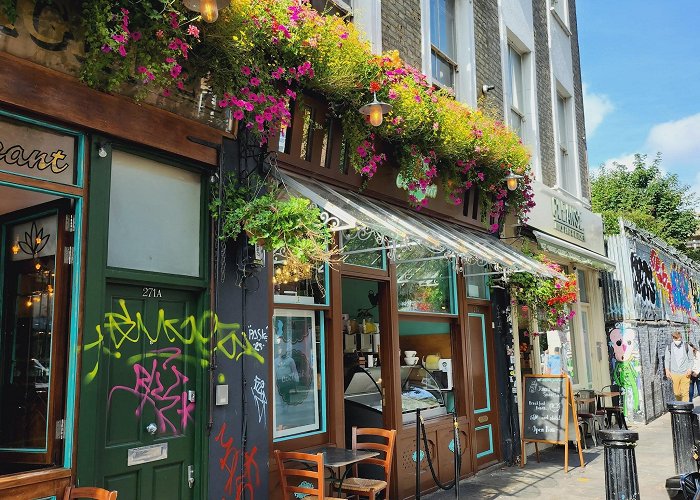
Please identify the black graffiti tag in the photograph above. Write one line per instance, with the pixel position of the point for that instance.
(643, 279)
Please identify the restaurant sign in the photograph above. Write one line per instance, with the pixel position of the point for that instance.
(32, 151)
(567, 219)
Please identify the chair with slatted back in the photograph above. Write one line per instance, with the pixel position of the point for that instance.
(617, 409)
(301, 481)
(73, 493)
(372, 439)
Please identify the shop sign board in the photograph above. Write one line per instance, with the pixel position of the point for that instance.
(565, 217)
(549, 413)
(38, 152)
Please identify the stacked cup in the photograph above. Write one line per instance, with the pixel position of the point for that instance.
(410, 358)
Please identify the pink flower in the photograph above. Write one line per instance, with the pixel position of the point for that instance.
(119, 38)
(259, 118)
(106, 49)
(291, 94)
(181, 85)
(255, 81)
(436, 126)
(159, 34)
(174, 23)
(417, 98)
(170, 60)
(238, 115)
(166, 92)
(193, 31)
(175, 71)
(245, 70)
(392, 94)
(494, 228)
(122, 51)
(142, 69)
(361, 151)
(136, 36)
(344, 35)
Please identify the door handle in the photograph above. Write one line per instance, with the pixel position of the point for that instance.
(151, 429)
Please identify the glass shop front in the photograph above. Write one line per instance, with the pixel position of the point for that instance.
(401, 322)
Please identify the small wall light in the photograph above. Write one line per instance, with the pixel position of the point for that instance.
(209, 9)
(485, 89)
(512, 181)
(376, 111)
(15, 248)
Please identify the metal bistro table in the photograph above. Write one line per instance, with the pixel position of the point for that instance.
(335, 458)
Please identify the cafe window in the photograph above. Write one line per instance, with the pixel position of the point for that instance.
(305, 283)
(299, 373)
(362, 247)
(582, 288)
(477, 281)
(426, 282)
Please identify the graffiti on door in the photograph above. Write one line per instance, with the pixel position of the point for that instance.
(120, 327)
(643, 285)
(240, 467)
(150, 390)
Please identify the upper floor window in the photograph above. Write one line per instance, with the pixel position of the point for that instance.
(567, 166)
(443, 65)
(337, 7)
(560, 9)
(516, 94)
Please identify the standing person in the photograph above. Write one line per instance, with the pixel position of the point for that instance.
(695, 373)
(554, 363)
(678, 363)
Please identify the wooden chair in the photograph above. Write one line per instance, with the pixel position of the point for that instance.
(370, 487)
(590, 416)
(298, 482)
(73, 493)
(617, 408)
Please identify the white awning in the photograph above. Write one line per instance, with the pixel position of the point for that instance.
(573, 252)
(345, 209)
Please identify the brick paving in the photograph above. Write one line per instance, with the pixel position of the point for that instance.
(547, 479)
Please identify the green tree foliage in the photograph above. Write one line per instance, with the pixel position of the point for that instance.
(651, 199)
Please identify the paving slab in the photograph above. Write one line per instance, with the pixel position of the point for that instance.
(547, 479)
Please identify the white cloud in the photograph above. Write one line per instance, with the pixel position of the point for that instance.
(678, 141)
(625, 159)
(596, 108)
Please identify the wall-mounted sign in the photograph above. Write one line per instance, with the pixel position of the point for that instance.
(37, 152)
(567, 219)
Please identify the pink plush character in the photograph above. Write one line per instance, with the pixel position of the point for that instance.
(622, 341)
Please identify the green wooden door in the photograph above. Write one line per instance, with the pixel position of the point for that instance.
(148, 391)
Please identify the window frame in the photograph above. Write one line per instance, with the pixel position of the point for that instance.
(438, 52)
(513, 108)
(565, 146)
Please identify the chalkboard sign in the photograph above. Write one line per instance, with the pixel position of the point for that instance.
(549, 413)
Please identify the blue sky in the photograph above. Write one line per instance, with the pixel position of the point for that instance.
(640, 63)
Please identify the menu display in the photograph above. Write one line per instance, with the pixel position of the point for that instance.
(549, 414)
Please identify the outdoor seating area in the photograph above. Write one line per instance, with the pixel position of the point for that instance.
(598, 410)
(330, 472)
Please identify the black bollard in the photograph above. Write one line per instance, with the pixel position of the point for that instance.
(682, 432)
(620, 464)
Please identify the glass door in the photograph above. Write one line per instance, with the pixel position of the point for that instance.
(32, 340)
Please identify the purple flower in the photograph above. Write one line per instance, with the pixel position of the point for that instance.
(255, 81)
(238, 115)
(106, 49)
(245, 70)
(175, 71)
(122, 51)
(136, 36)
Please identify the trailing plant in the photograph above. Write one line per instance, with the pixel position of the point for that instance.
(260, 54)
(550, 297)
(274, 219)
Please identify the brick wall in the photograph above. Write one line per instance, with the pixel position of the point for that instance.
(578, 102)
(544, 95)
(488, 53)
(401, 29)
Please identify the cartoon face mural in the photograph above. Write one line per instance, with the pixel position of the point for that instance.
(625, 365)
(622, 343)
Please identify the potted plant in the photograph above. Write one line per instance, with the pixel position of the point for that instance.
(274, 219)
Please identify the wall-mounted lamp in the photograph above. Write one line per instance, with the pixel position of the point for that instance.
(15, 248)
(512, 181)
(209, 9)
(102, 149)
(485, 89)
(376, 111)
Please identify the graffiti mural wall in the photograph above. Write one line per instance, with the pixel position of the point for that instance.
(653, 292)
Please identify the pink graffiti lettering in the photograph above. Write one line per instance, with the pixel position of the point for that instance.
(149, 389)
(230, 463)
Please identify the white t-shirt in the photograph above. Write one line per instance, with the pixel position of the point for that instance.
(696, 363)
